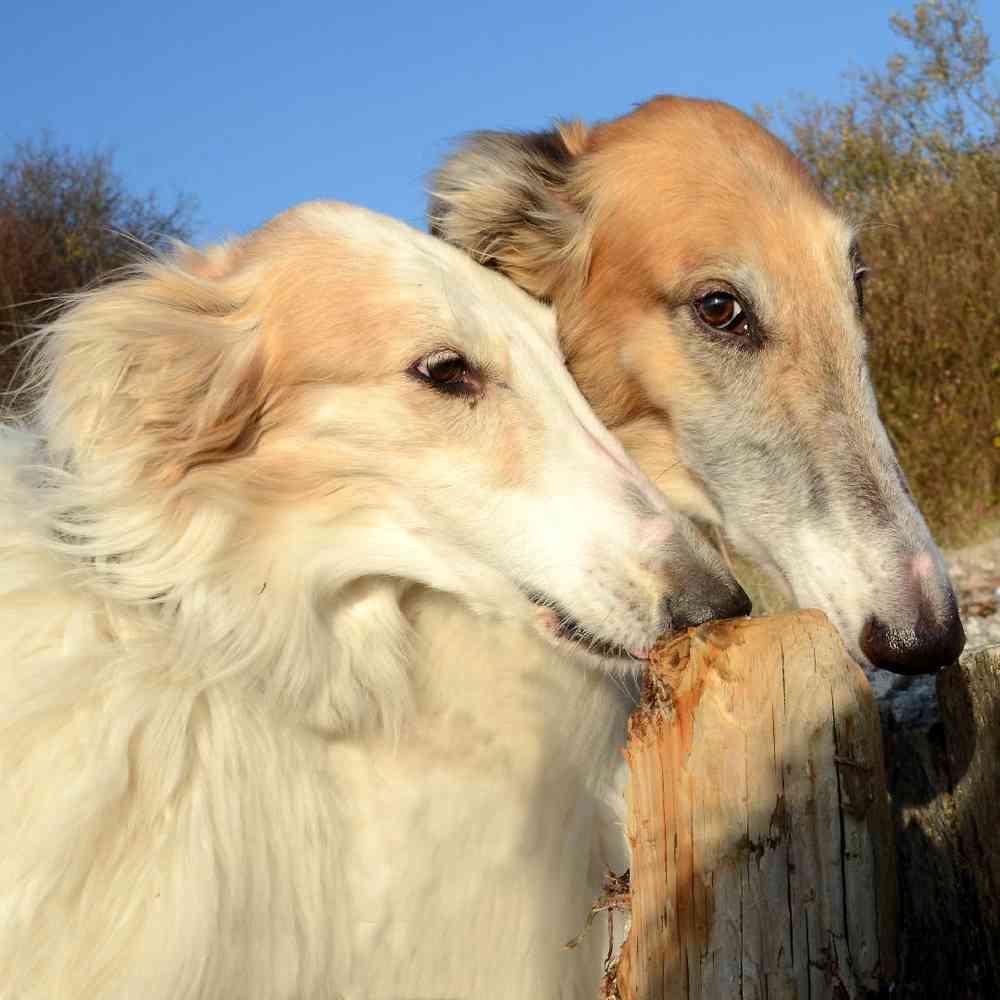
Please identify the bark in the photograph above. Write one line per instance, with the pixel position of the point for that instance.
(945, 785)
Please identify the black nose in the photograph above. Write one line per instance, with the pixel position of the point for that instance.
(922, 649)
(701, 601)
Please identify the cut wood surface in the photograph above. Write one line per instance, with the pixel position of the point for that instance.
(762, 858)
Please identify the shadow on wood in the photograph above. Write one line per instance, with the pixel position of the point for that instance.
(763, 862)
(945, 781)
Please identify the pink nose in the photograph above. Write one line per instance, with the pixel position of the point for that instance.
(657, 532)
(923, 566)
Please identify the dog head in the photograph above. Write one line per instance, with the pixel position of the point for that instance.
(710, 305)
(337, 407)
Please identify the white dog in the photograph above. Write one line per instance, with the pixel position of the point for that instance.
(308, 557)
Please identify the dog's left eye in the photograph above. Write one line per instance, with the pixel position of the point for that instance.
(448, 371)
(722, 311)
(859, 284)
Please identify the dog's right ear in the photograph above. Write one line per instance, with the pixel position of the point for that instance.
(164, 370)
(506, 199)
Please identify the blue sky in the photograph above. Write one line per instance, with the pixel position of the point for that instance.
(254, 109)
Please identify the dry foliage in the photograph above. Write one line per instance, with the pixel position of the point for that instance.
(66, 221)
(934, 248)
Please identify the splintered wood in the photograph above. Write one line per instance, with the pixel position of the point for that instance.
(762, 858)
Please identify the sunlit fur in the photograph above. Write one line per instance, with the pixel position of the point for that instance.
(277, 719)
(622, 226)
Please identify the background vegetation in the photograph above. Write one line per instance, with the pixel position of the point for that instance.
(67, 220)
(913, 154)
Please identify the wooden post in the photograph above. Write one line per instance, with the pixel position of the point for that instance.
(945, 782)
(762, 857)
(970, 706)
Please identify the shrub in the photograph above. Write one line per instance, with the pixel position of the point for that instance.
(934, 308)
(66, 221)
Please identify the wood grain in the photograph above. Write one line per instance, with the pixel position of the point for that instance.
(758, 820)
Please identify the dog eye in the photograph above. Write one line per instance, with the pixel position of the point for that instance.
(443, 367)
(722, 311)
(859, 284)
(448, 371)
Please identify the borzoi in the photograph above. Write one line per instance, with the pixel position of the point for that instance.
(711, 308)
(318, 579)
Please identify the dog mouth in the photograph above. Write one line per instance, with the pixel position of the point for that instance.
(564, 626)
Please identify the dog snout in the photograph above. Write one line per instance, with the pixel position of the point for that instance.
(924, 647)
(924, 633)
(702, 597)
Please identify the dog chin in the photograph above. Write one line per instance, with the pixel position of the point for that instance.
(559, 630)
(571, 639)
(622, 665)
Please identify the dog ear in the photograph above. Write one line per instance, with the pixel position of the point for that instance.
(506, 198)
(163, 370)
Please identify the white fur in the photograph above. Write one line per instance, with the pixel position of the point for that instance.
(279, 722)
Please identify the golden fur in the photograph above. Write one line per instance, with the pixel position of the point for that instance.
(774, 434)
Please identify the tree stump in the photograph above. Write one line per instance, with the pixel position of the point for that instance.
(945, 783)
(970, 707)
(762, 846)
